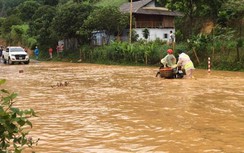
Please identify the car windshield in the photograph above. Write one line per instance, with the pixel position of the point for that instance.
(16, 50)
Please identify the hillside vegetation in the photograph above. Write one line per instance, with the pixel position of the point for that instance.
(116, 3)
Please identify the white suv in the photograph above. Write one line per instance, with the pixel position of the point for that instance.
(14, 54)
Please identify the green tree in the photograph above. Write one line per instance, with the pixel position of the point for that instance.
(2, 8)
(146, 33)
(40, 26)
(78, 1)
(13, 124)
(9, 22)
(18, 34)
(196, 12)
(70, 18)
(236, 8)
(7, 26)
(109, 19)
(28, 9)
(134, 36)
(7, 7)
(161, 3)
(50, 2)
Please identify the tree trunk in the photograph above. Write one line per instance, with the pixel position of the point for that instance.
(196, 55)
(238, 54)
(146, 59)
(213, 50)
(239, 44)
(2, 9)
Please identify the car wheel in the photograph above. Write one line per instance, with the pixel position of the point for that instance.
(10, 62)
(27, 62)
(4, 61)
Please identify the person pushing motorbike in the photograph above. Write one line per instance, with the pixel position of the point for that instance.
(185, 62)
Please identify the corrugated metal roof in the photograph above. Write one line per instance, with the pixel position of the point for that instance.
(140, 7)
(136, 5)
(157, 12)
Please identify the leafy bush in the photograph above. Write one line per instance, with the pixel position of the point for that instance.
(13, 124)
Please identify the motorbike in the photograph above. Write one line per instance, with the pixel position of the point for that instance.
(171, 73)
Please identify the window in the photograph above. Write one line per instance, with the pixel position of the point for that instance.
(166, 36)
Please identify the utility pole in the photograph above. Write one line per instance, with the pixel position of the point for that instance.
(130, 21)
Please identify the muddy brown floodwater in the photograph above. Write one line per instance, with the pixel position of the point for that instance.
(126, 109)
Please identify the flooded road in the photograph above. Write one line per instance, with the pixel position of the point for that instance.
(126, 109)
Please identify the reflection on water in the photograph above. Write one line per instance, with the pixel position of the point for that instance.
(126, 109)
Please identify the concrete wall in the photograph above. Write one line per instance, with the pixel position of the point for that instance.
(162, 34)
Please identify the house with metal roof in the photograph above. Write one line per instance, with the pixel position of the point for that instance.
(159, 21)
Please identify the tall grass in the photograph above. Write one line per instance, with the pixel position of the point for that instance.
(139, 53)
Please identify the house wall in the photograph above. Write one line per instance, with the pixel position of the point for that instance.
(153, 21)
(162, 34)
(158, 26)
(168, 22)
